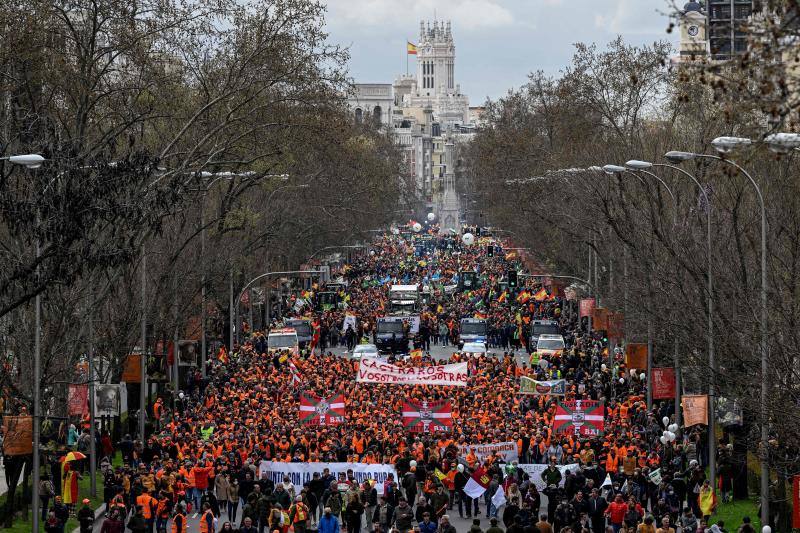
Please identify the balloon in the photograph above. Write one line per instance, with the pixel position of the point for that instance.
(663, 439)
(642, 376)
(395, 231)
(622, 381)
(431, 217)
(417, 227)
(413, 464)
(670, 436)
(665, 420)
(603, 367)
(468, 239)
(460, 468)
(673, 427)
(766, 529)
(372, 252)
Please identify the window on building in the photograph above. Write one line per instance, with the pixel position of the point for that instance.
(377, 112)
(359, 115)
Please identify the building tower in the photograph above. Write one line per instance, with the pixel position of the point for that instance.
(693, 32)
(436, 59)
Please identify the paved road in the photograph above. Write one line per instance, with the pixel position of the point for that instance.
(462, 525)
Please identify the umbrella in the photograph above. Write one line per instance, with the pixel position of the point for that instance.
(72, 456)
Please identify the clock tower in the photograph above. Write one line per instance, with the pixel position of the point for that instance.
(436, 59)
(693, 31)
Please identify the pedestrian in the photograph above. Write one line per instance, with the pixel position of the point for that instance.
(328, 523)
(86, 517)
(298, 515)
(53, 524)
(493, 527)
(137, 522)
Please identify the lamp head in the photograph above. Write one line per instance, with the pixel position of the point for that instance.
(782, 143)
(27, 160)
(725, 145)
(635, 164)
(678, 157)
(613, 169)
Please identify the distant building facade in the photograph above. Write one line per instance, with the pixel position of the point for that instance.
(428, 116)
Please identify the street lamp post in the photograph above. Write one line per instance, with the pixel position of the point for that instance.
(725, 145)
(32, 161)
(235, 303)
(710, 311)
(633, 169)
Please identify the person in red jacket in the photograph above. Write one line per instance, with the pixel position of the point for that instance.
(616, 513)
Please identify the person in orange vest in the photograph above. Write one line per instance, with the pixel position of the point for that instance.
(298, 515)
(207, 519)
(179, 519)
(148, 504)
(158, 409)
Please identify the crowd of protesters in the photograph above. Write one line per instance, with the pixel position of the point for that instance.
(204, 463)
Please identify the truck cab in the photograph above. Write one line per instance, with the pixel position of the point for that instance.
(404, 299)
(282, 339)
(472, 330)
(542, 327)
(303, 329)
(391, 335)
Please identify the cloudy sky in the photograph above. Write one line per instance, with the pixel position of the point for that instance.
(498, 42)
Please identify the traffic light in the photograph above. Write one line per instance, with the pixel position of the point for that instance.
(490, 251)
(512, 279)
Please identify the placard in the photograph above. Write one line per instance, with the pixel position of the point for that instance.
(695, 409)
(18, 431)
(302, 473)
(379, 371)
(663, 382)
(587, 304)
(508, 450)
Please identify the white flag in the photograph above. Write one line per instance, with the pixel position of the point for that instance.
(607, 481)
(624, 489)
(499, 497)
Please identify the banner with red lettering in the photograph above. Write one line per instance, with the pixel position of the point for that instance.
(663, 383)
(378, 371)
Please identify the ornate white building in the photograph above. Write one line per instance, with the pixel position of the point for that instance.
(428, 116)
(435, 85)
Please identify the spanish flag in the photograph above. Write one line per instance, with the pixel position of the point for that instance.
(502, 297)
(411, 49)
(541, 295)
(523, 297)
(222, 355)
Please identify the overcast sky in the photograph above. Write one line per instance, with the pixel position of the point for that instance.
(498, 42)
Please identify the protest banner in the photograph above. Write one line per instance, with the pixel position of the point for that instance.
(636, 355)
(302, 473)
(316, 411)
(18, 431)
(78, 400)
(507, 450)
(535, 473)
(556, 387)
(663, 383)
(580, 417)
(106, 400)
(600, 318)
(587, 304)
(425, 416)
(616, 325)
(131, 370)
(695, 409)
(378, 371)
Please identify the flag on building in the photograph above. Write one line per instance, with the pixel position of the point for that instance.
(427, 416)
(411, 49)
(541, 295)
(478, 483)
(315, 411)
(579, 417)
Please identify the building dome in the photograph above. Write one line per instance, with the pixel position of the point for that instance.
(692, 6)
